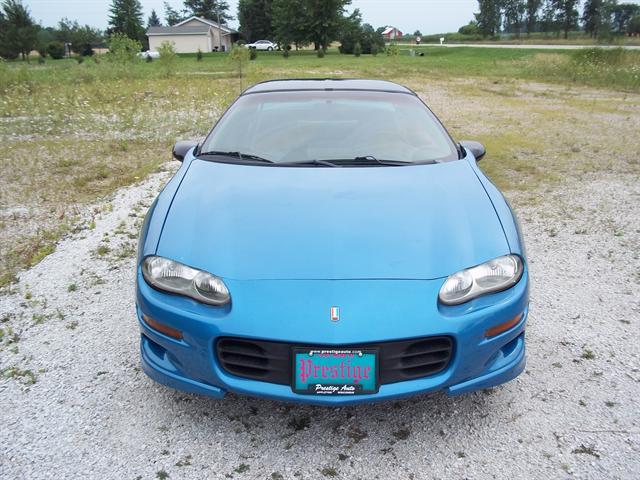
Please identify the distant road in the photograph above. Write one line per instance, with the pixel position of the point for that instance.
(527, 46)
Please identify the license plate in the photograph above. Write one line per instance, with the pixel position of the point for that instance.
(327, 371)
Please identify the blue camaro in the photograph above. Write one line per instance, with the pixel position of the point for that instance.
(329, 243)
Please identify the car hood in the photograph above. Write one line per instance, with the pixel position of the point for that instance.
(253, 222)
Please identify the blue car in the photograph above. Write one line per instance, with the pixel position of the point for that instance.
(329, 243)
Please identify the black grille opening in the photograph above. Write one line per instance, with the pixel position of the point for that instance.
(271, 361)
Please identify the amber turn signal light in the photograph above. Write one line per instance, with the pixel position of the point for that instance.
(503, 327)
(162, 328)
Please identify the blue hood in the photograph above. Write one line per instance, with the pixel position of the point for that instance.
(252, 222)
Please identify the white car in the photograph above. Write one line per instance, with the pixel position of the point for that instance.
(149, 54)
(263, 45)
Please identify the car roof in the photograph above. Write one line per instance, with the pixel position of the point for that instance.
(301, 84)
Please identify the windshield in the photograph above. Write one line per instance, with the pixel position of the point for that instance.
(308, 126)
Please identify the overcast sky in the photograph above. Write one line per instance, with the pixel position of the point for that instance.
(429, 16)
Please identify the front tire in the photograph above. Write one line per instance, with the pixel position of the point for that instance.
(269, 49)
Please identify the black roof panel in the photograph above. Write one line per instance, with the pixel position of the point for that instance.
(326, 84)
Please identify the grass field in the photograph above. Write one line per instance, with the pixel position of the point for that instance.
(73, 133)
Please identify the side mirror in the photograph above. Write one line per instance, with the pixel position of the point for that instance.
(181, 148)
(476, 148)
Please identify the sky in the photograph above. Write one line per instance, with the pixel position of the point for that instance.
(428, 16)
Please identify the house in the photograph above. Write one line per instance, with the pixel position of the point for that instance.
(391, 33)
(193, 34)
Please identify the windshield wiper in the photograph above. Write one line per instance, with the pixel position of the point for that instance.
(306, 163)
(240, 155)
(371, 158)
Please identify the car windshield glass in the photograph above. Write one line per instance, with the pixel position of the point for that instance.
(307, 126)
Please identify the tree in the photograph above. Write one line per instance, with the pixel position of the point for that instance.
(470, 29)
(216, 10)
(532, 9)
(289, 23)
(634, 26)
(125, 16)
(55, 49)
(622, 16)
(172, 16)
(324, 19)
(81, 38)
(255, 19)
(567, 15)
(167, 57)
(417, 33)
(153, 20)
(18, 31)
(513, 15)
(351, 32)
(489, 17)
(123, 49)
(548, 19)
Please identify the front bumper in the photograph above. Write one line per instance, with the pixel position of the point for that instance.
(298, 312)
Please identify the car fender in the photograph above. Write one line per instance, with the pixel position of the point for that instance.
(157, 214)
(505, 213)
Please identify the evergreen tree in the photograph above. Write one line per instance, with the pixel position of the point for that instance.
(153, 20)
(125, 16)
(18, 31)
(172, 16)
(215, 10)
(255, 19)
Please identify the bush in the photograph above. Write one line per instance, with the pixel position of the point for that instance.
(199, 55)
(55, 50)
(393, 50)
(122, 49)
(374, 50)
(167, 57)
(285, 52)
(253, 54)
(79, 59)
(357, 49)
(320, 53)
(471, 28)
(40, 59)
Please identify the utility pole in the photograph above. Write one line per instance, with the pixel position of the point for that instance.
(219, 27)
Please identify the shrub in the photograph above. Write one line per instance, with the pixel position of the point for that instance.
(393, 50)
(79, 59)
(285, 52)
(320, 53)
(253, 54)
(40, 59)
(357, 49)
(374, 50)
(167, 57)
(199, 55)
(55, 50)
(122, 49)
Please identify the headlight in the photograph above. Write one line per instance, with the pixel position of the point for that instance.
(493, 276)
(174, 277)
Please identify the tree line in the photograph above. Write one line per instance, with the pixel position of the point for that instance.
(599, 17)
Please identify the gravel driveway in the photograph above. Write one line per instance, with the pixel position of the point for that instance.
(75, 403)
